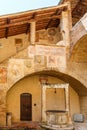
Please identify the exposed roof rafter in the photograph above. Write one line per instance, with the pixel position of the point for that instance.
(46, 17)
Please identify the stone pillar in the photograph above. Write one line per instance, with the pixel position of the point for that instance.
(67, 98)
(65, 29)
(43, 103)
(69, 15)
(68, 104)
(32, 32)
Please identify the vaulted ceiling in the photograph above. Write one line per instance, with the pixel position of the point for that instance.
(45, 18)
(79, 53)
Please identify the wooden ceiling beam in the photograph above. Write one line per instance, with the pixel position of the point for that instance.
(28, 21)
(33, 16)
(44, 14)
(55, 14)
(28, 26)
(6, 32)
(16, 23)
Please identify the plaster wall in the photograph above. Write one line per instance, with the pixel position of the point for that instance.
(74, 102)
(79, 71)
(2, 107)
(11, 46)
(83, 105)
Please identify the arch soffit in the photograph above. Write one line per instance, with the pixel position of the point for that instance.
(80, 49)
(74, 83)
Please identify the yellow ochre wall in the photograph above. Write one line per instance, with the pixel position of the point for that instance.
(32, 85)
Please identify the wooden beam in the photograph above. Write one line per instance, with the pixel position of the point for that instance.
(28, 26)
(51, 19)
(38, 10)
(6, 32)
(48, 24)
(28, 21)
(45, 14)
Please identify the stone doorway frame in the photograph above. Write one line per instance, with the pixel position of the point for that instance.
(44, 87)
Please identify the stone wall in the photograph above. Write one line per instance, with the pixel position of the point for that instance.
(54, 101)
(79, 71)
(78, 31)
(2, 106)
(47, 54)
(83, 105)
(16, 44)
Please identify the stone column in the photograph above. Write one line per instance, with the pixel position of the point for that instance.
(68, 104)
(43, 103)
(69, 15)
(65, 29)
(32, 32)
(67, 98)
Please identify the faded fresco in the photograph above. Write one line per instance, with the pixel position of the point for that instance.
(3, 75)
(39, 62)
(16, 69)
(48, 55)
(28, 66)
(49, 50)
(31, 51)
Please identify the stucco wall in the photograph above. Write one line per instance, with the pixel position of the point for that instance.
(83, 105)
(2, 107)
(74, 102)
(10, 48)
(32, 85)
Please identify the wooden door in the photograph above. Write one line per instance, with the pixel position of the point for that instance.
(26, 107)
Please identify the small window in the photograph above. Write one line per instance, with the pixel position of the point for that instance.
(18, 44)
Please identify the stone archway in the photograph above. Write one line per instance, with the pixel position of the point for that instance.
(77, 66)
(79, 52)
(21, 87)
(78, 31)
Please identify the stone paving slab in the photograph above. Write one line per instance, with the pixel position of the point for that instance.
(80, 126)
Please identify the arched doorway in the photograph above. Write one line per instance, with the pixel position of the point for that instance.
(25, 107)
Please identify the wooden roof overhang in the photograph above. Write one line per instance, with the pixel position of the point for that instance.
(20, 23)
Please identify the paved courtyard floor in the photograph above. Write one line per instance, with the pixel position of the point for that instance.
(80, 126)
